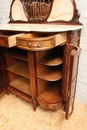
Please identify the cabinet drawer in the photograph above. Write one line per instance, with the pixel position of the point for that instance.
(8, 39)
(38, 42)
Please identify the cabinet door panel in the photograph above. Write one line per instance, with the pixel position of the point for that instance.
(72, 59)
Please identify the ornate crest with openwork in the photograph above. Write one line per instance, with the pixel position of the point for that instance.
(49, 11)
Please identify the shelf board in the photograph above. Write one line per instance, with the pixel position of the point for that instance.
(52, 94)
(22, 84)
(52, 74)
(51, 60)
(19, 54)
(20, 68)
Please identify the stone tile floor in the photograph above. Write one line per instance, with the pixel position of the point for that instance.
(17, 114)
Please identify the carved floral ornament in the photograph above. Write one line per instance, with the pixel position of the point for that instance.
(43, 11)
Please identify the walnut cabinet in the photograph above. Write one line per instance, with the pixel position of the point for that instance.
(41, 68)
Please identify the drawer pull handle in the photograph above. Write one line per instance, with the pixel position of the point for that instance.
(34, 45)
(29, 44)
(39, 45)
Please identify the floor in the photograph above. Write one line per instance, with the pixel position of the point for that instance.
(17, 114)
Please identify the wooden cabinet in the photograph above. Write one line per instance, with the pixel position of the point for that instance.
(53, 71)
(43, 69)
(39, 61)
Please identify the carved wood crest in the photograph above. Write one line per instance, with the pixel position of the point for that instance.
(37, 11)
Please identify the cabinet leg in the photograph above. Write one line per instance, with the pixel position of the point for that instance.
(7, 92)
(34, 102)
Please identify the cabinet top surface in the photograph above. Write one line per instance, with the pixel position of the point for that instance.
(39, 27)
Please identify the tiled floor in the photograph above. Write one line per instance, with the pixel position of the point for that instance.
(17, 114)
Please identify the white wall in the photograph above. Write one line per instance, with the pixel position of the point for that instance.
(81, 92)
(4, 10)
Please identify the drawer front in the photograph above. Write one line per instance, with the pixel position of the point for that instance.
(41, 43)
(36, 45)
(8, 40)
(3, 41)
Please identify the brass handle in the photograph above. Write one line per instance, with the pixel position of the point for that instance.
(39, 45)
(29, 44)
(34, 45)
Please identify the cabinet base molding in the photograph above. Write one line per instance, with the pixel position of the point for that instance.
(20, 94)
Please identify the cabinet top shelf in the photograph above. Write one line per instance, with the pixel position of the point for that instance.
(39, 27)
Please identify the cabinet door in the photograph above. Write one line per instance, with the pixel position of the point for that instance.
(71, 65)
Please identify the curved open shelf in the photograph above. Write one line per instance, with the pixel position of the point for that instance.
(51, 74)
(51, 97)
(51, 60)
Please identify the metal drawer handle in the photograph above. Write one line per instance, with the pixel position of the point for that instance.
(39, 45)
(34, 45)
(29, 44)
